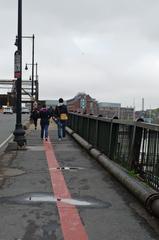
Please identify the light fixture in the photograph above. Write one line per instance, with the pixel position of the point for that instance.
(26, 67)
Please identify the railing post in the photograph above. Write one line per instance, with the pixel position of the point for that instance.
(113, 139)
(88, 129)
(73, 122)
(81, 126)
(110, 137)
(135, 148)
(96, 133)
(69, 123)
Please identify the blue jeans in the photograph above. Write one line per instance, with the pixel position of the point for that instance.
(61, 128)
(44, 130)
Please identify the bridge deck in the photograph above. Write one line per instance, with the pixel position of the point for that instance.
(55, 190)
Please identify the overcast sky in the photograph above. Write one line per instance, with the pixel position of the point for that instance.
(108, 49)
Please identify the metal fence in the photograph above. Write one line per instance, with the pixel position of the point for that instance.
(134, 145)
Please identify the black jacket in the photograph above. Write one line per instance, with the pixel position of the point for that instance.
(44, 116)
(34, 115)
(60, 109)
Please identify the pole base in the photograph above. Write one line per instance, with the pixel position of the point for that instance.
(19, 137)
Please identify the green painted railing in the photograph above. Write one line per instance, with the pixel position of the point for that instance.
(134, 145)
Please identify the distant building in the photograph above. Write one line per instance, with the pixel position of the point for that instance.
(83, 103)
(126, 113)
(152, 115)
(139, 114)
(7, 99)
(109, 110)
(51, 103)
(148, 120)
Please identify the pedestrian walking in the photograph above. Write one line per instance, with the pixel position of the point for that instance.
(34, 116)
(51, 111)
(61, 117)
(44, 122)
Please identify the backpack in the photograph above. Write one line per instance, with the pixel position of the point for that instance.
(63, 117)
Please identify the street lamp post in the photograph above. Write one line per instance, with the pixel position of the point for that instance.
(19, 131)
(32, 89)
(33, 39)
(36, 82)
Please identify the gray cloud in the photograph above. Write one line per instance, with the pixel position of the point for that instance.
(109, 49)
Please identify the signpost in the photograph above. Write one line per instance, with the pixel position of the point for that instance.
(17, 70)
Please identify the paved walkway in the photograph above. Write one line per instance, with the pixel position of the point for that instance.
(55, 191)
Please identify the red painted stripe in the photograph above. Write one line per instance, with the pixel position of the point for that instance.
(71, 224)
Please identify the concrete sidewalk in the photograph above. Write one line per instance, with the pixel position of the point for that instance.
(28, 206)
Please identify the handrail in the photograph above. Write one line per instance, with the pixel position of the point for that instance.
(134, 145)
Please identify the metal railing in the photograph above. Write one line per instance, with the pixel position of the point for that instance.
(134, 145)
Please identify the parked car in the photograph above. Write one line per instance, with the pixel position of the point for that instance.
(7, 110)
(25, 110)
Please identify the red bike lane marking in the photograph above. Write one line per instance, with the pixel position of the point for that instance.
(71, 224)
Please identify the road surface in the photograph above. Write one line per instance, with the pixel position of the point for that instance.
(7, 124)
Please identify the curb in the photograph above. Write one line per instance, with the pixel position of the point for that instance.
(4, 144)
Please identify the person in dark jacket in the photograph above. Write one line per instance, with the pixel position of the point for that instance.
(61, 117)
(34, 116)
(51, 111)
(44, 121)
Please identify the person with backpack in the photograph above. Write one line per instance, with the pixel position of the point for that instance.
(34, 116)
(61, 117)
(44, 115)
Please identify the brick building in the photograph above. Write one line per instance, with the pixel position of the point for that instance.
(83, 103)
